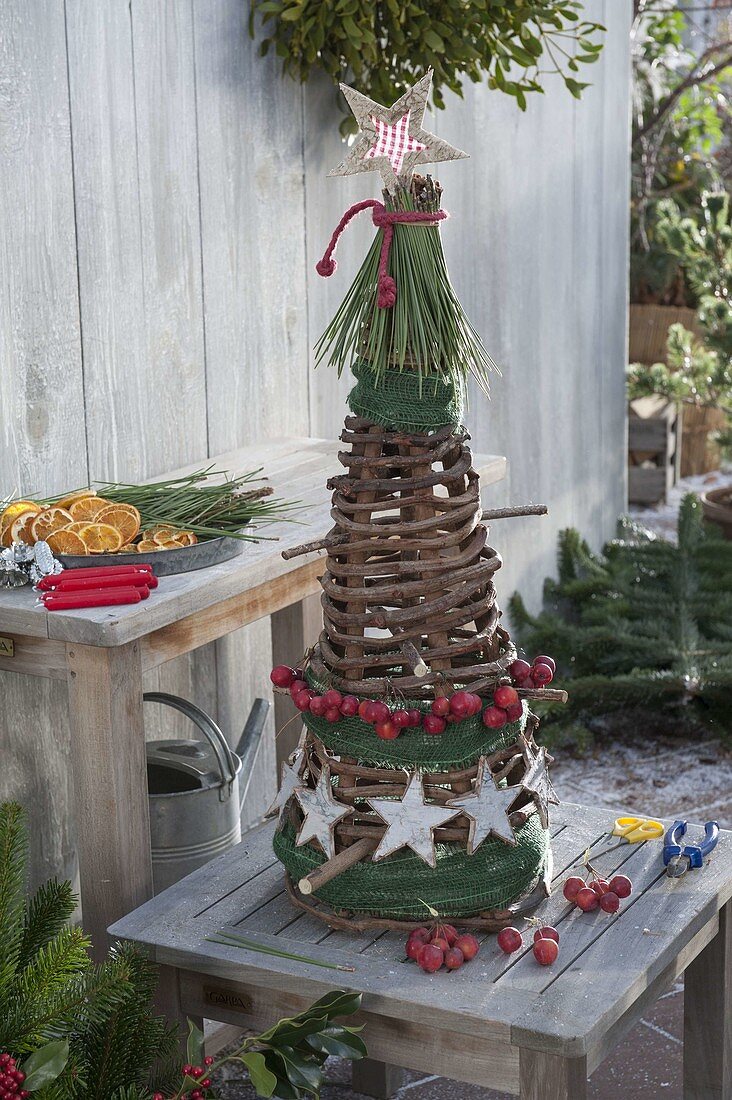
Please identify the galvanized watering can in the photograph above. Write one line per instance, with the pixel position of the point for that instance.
(196, 790)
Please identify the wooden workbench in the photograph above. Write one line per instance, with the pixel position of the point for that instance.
(102, 653)
(502, 1022)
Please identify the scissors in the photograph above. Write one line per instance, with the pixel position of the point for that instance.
(635, 830)
(679, 858)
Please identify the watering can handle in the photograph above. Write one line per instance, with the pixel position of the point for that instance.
(206, 725)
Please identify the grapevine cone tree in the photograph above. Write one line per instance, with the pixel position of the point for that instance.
(417, 779)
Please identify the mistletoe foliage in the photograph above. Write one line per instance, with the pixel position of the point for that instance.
(383, 47)
(646, 624)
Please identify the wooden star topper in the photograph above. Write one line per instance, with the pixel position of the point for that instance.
(410, 822)
(391, 139)
(537, 782)
(486, 808)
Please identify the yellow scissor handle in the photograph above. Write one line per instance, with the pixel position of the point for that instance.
(635, 829)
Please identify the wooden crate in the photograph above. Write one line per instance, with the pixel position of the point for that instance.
(654, 452)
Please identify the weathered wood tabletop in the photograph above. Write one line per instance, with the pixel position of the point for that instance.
(102, 654)
(500, 1021)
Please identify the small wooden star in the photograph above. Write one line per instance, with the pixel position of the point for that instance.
(410, 822)
(537, 782)
(322, 814)
(391, 139)
(486, 808)
(291, 780)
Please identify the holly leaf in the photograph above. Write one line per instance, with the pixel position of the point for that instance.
(194, 1044)
(263, 1080)
(45, 1064)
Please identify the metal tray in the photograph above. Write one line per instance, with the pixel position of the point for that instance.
(165, 563)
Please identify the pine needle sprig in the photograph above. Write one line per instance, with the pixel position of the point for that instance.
(48, 912)
(13, 870)
(426, 330)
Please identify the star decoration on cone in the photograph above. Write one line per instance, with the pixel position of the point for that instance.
(391, 139)
(537, 782)
(322, 814)
(290, 781)
(410, 822)
(486, 809)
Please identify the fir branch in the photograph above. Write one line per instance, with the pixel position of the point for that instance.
(13, 870)
(49, 910)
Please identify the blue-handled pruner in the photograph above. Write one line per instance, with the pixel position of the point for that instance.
(678, 857)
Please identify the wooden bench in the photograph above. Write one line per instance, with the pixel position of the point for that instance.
(103, 652)
(501, 1022)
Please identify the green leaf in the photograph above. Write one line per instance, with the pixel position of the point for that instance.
(433, 40)
(194, 1044)
(45, 1064)
(262, 1079)
(575, 87)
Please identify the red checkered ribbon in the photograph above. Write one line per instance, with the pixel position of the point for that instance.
(386, 220)
(393, 142)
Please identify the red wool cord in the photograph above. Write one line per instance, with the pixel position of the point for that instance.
(386, 220)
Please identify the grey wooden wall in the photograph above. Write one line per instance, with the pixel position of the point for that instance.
(162, 204)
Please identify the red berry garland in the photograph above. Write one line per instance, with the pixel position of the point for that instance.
(11, 1078)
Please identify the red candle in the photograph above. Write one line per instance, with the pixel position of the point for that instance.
(125, 574)
(106, 597)
(67, 582)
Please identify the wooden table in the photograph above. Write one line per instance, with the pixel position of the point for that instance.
(501, 1022)
(103, 652)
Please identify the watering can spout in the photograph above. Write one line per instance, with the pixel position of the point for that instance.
(249, 742)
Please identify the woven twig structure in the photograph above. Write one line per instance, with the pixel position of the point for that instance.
(408, 588)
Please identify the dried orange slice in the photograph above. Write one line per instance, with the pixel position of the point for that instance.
(128, 548)
(147, 546)
(11, 513)
(100, 538)
(66, 542)
(49, 520)
(85, 509)
(18, 530)
(71, 498)
(124, 517)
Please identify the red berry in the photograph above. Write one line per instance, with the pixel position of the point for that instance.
(494, 717)
(413, 948)
(441, 942)
(513, 713)
(332, 714)
(296, 686)
(519, 670)
(282, 676)
(609, 902)
(432, 724)
(158, 1096)
(430, 958)
(572, 887)
(542, 659)
(363, 706)
(187, 1069)
(349, 706)
(197, 1071)
(379, 712)
(546, 951)
(317, 706)
(527, 683)
(621, 885)
(449, 933)
(454, 958)
(542, 674)
(600, 886)
(587, 899)
(387, 731)
(371, 713)
(476, 703)
(548, 932)
(505, 696)
(510, 940)
(415, 717)
(209, 1059)
(422, 934)
(332, 698)
(400, 718)
(302, 700)
(441, 706)
(461, 704)
(468, 945)
(196, 1095)
(205, 1083)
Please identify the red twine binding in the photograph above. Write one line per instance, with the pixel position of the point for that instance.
(386, 220)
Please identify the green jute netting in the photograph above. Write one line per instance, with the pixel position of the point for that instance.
(459, 746)
(400, 399)
(459, 886)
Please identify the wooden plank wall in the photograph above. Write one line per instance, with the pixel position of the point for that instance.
(163, 202)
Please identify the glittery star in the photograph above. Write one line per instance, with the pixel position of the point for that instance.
(486, 808)
(391, 139)
(537, 782)
(410, 822)
(291, 780)
(322, 813)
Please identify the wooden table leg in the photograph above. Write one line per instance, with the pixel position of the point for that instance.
(378, 1079)
(110, 784)
(551, 1077)
(708, 1017)
(294, 629)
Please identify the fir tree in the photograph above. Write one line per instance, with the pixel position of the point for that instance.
(646, 624)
